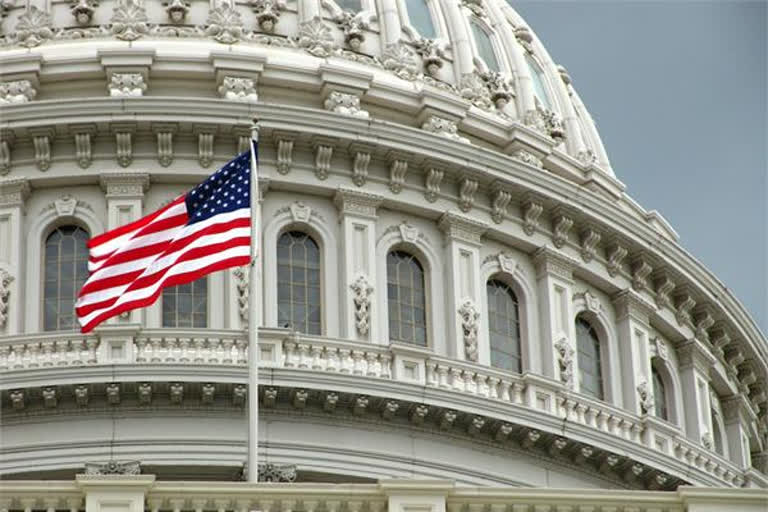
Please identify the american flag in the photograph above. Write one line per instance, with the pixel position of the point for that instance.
(205, 230)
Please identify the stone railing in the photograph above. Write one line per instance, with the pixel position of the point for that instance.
(281, 349)
(143, 493)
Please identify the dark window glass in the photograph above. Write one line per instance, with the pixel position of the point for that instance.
(484, 46)
(421, 18)
(503, 326)
(406, 299)
(298, 283)
(64, 273)
(659, 395)
(186, 305)
(717, 435)
(350, 5)
(590, 365)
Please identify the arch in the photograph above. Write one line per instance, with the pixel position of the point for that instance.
(589, 350)
(298, 216)
(672, 387)
(486, 49)
(406, 298)
(62, 212)
(409, 239)
(591, 310)
(505, 267)
(719, 436)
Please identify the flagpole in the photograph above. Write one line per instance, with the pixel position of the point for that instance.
(253, 329)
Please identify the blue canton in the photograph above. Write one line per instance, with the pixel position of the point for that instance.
(226, 190)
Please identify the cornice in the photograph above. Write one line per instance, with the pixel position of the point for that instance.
(459, 227)
(14, 192)
(357, 202)
(124, 184)
(549, 261)
(630, 303)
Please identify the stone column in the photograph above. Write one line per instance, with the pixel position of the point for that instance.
(737, 415)
(357, 215)
(632, 327)
(13, 194)
(694, 362)
(391, 22)
(554, 278)
(125, 197)
(462, 297)
(460, 37)
(110, 493)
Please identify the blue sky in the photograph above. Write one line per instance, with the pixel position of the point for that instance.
(678, 91)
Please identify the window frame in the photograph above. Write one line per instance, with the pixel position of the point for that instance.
(500, 277)
(420, 261)
(292, 228)
(496, 47)
(602, 359)
(207, 306)
(551, 98)
(62, 222)
(665, 398)
(410, 29)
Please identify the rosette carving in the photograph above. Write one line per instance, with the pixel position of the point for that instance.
(225, 24)
(316, 37)
(34, 27)
(401, 60)
(129, 20)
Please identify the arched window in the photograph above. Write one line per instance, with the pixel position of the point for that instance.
(717, 434)
(298, 283)
(484, 46)
(537, 80)
(503, 326)
(421, 18)
(589, 358)
(186, 305)
(406, 299)
(66, 269)
(659, 395)
(354, 6)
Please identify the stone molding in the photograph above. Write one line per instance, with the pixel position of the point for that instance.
(14, 192)
(549, 261)
(124, 184)
(459, 227)
(357, 202)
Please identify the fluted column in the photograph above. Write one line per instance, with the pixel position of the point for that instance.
(125, 200)
(463, 300)
(459, 37)
(357, 211)
(391, 21)
(554, 277)
(694, 361)
(632, 326)
(13, 194)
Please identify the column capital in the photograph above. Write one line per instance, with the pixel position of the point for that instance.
(459, 227)
(630, 303)
(737, 408)
(693, 353)
(357, 202)
(125, 185)
(14, 192)
(548, 261)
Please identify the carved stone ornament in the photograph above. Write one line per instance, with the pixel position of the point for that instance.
(300, 212)
(284, 155)
(467, 189)
(532, 210)
(499, 87)
(589, 240)
(82, 10)
(432, 183)
(83, 151)
(5, 291)
(235, 88)
(408, 233)
(499, 204)
(113, 468)
(616, 254)
(323, 155)
(646, 397)
(397, 171)
(353, 26)
(165, 147)
(507, 263)
(129, 20)
(362, 291)
(662, 352)
(360, 167)
(17, 91)
(432, 55)
(5, 155)
(640, 272)
(316, 38)
(469, 326)
(527, 157)
(565, 361)
(205, 148)
(34, 27)
(562, 225)
(126, 85)
(241, 285)
(177, 10)
(267, 14)
(591, 303)
(443, 127)
(277, 473)
(546, 122)
(401, 60)
(42, 146)
(706, 440)
(475, 6)
(65, 206)
(346, 104)
(225, 24)
(473, 88)
(124, 148)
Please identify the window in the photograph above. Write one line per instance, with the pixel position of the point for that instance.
(537, 80)
(421, 18)
(503, 326)
(298, 283)
(186, 305)
(659, 394)
(354, 6)
(590, 366)
(406, 299)
(484, 46)
(66, 269)
(717, 435)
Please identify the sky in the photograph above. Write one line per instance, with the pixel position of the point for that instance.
(678, 91)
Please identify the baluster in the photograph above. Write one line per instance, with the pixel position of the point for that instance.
(199, 350)
(517, 393)
(581, 409)
(183, 346)
(357, 356)
(170, 345)
(242, 351)
(289, 348)
(156, 345)
(493, 387)
(332, 356)
(91, 344)
(304, 355)
(317, 359)
(62, 350)
(345, 360)
(214, 350)
(386, 366)
(372, 364)
(32, 354)
(482, 385)
(431, 377)
(442, 372)
(227, 356)
(456, 380)
(470, 386)
(5, 354)
(141, 350)
(47, 356)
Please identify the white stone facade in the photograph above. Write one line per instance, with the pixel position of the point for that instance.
(373, 139)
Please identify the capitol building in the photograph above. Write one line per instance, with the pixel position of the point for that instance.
(461, 308)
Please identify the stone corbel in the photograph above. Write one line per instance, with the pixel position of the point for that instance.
(16, 91)
(500, 198)
(124, 145)
(398, 168)
(361, 159)
(83, 144)
(164, 133)
(205, 138)
(467, 188)
(641, 269)
(284, 142)
(590, 237)
(7, 138)
(720, 339)
(662, 279)
(323, 155)
(532, 208)
(562, 222)
(703, 320)
(42, 139)
(432, 180)
(684, 303)
(243, 138)
(616, 253)
(357, 202)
